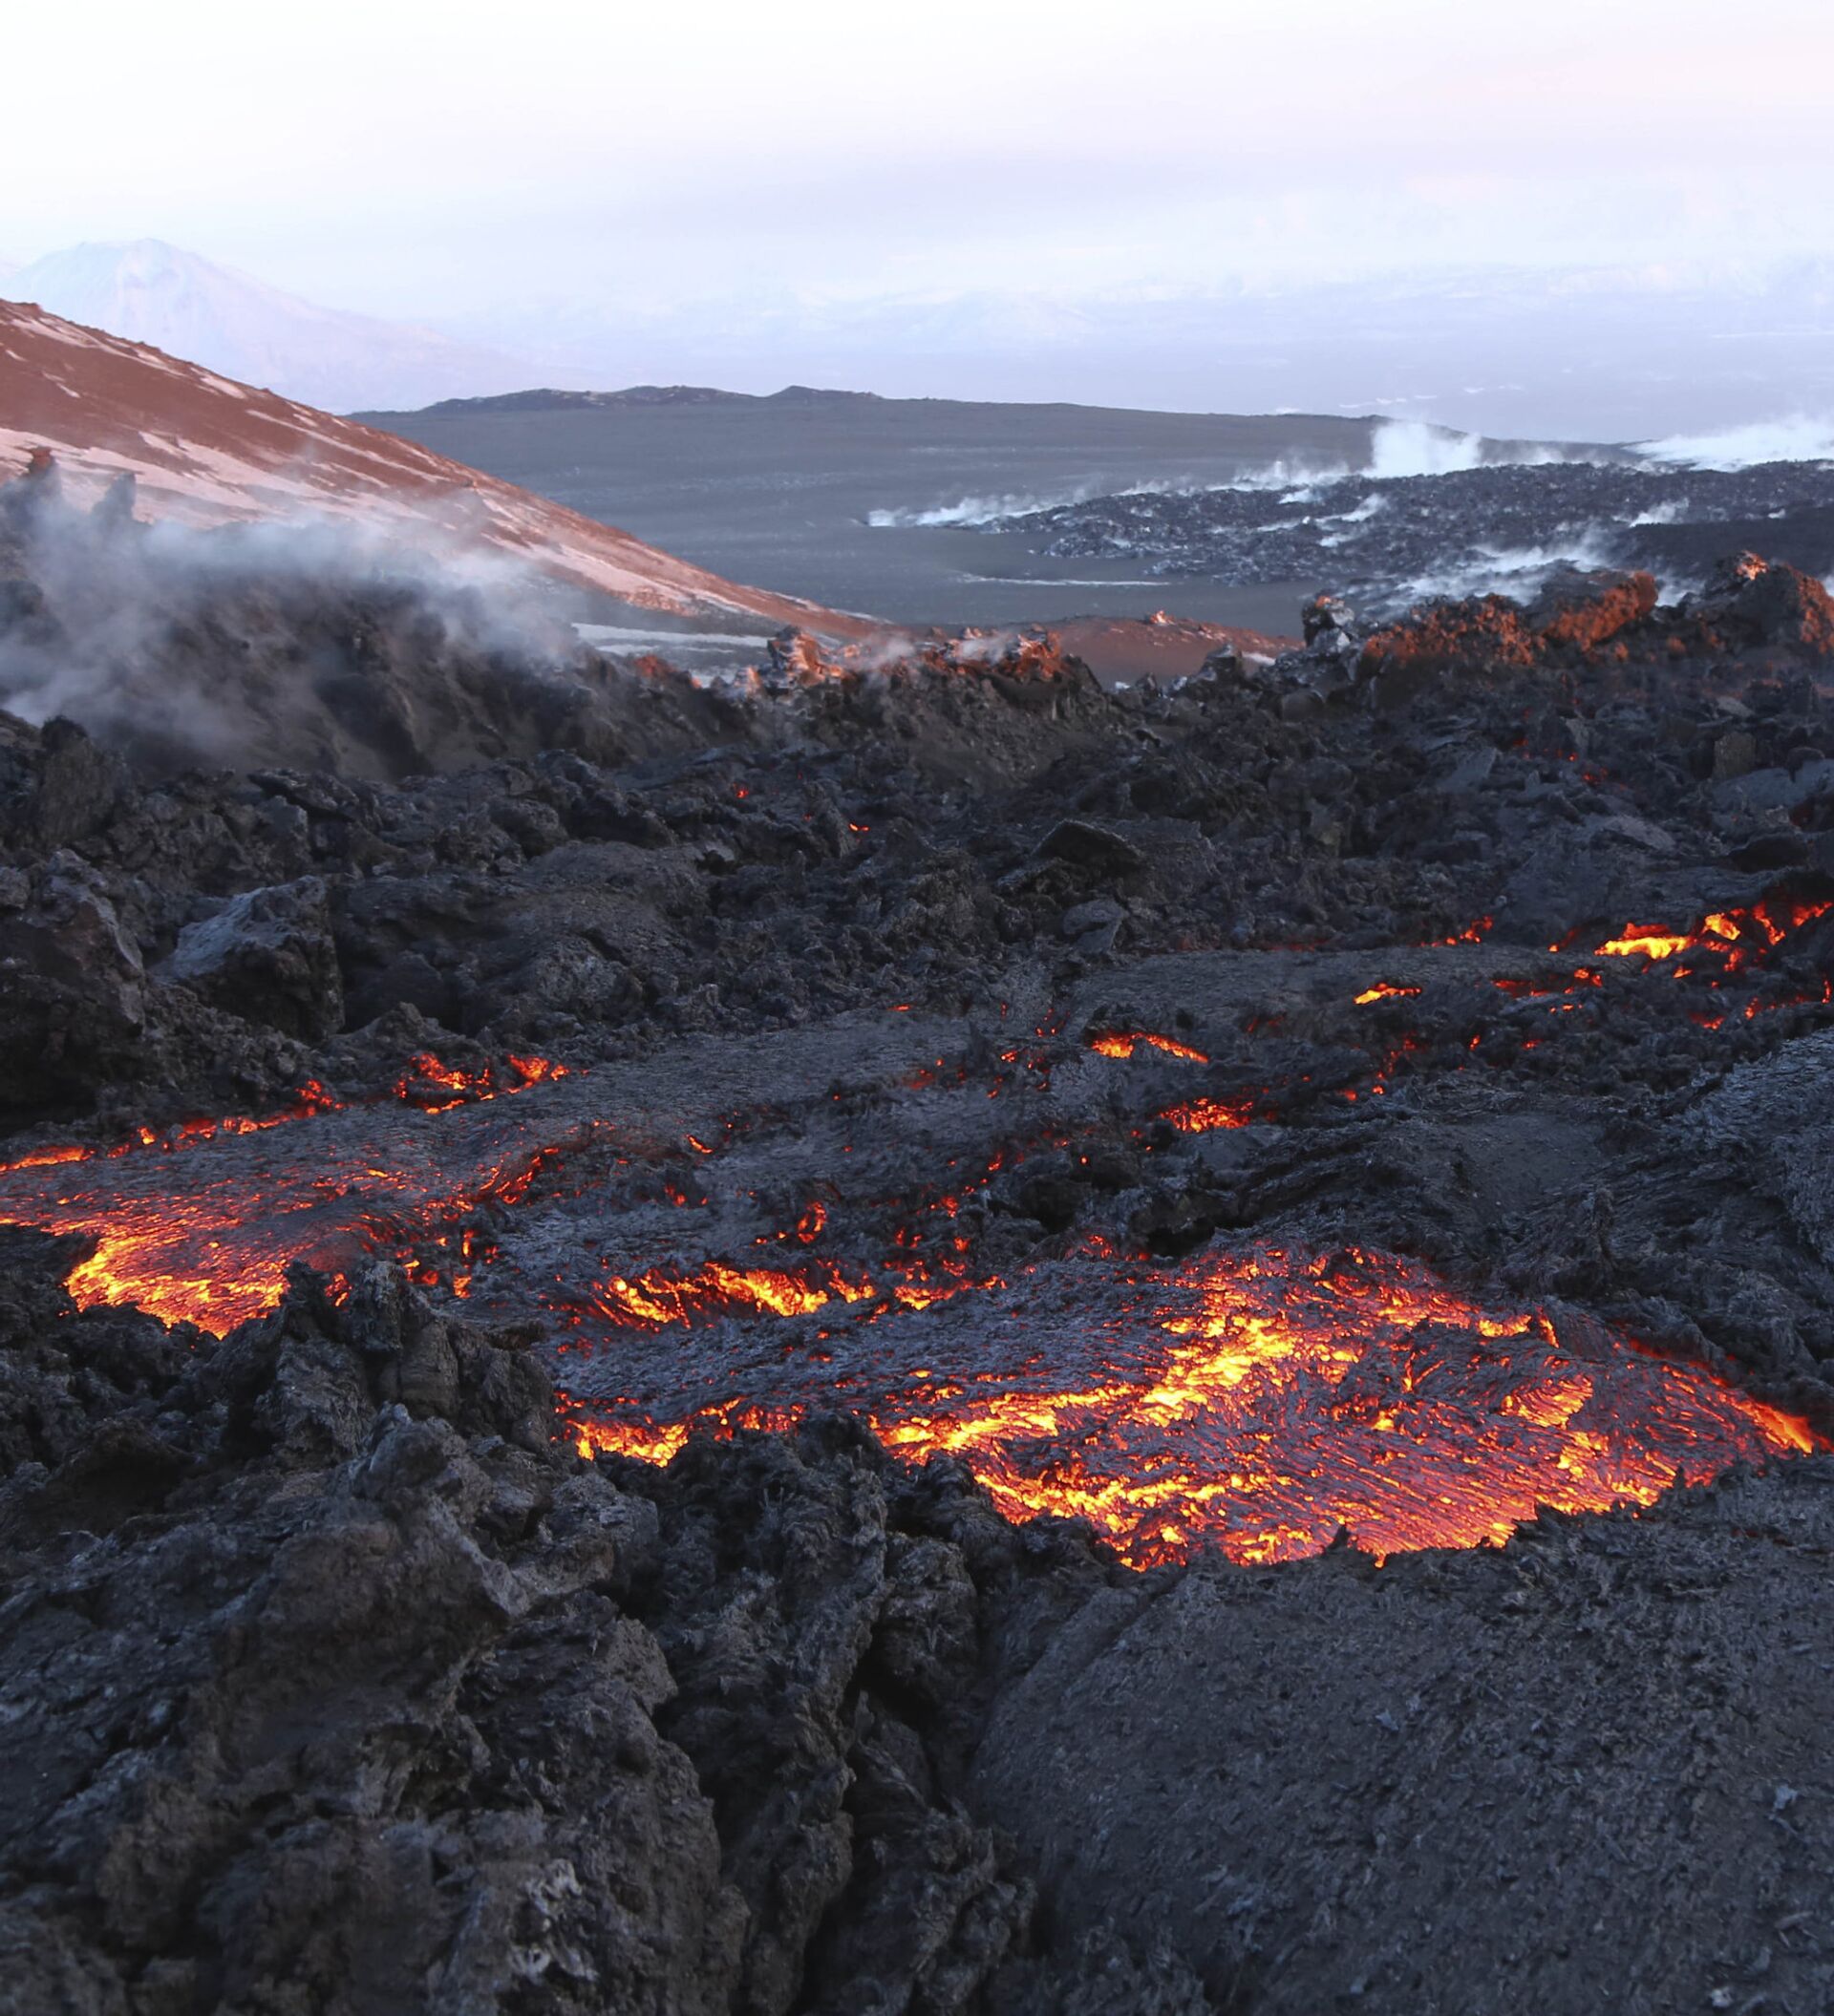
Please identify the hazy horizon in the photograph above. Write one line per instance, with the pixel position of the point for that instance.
(1570, 220)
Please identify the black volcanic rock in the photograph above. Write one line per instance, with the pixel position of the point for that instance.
(1086, 845)
(408, 1705)
(73, 986)
(1387, 542)
(266, 955)
(1757, 603)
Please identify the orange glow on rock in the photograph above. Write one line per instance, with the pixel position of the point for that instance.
(1734, 938)
(216, 1253)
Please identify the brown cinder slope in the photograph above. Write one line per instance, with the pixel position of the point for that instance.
(206, 451)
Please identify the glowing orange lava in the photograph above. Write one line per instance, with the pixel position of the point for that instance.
(1122, 1043)
(714, 1290)
(1473, 934)
(1264, 1402)
(437, 1088)
(214, 1252)
(1206, 1115)
(1733, 939)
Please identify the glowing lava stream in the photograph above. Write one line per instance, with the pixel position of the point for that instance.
(1263, 1402)
(1123, 1043)
(346, 1182)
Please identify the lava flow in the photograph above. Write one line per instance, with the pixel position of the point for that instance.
(664, 1295)
(340, 1182)
(1123, 1043)
(1730, 940)
(1261, 1402)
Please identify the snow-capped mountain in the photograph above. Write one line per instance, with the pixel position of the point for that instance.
(206, 451)
(190, 306)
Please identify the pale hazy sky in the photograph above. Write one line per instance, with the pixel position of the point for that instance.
(427, 156)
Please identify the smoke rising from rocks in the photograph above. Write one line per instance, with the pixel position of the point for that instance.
(180, 646)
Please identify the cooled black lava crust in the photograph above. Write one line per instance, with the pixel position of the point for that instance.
(1388, 542)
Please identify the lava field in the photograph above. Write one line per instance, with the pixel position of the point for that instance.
(1388, 542)
(923, 1337)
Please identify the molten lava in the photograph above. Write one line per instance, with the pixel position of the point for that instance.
(436, 1087)
(1122, 1043)
(1260, 1401)
(1266, 1402)
(1732, 940)
(1206, 1115)
(665, 1295)
(348, 1181)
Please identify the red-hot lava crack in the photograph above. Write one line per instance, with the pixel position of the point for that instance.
(1725, 941)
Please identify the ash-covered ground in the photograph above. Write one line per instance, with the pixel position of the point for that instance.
(1388, 542)
(888, 1340)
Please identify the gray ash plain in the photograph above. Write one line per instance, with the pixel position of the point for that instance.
(865, 503)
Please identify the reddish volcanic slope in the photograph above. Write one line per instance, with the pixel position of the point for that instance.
(206, 451)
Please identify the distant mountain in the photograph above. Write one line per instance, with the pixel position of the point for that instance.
(550, 399)
(153, 292)
(206, 451)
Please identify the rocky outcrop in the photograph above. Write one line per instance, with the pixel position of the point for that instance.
(73, 986)
(1575, 613)
(1750, 604)
(333, 1681)
(1750, 608)
(267, 956)
(1586, 610)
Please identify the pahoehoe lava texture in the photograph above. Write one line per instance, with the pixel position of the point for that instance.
(644, 1223)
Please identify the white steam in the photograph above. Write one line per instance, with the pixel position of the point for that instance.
(1404, 448)
(226, 646)
(1516, 571)
(1800, 437)
(974, 512)
(1398, 447)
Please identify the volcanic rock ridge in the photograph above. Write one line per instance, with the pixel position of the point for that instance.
(902, 1334)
